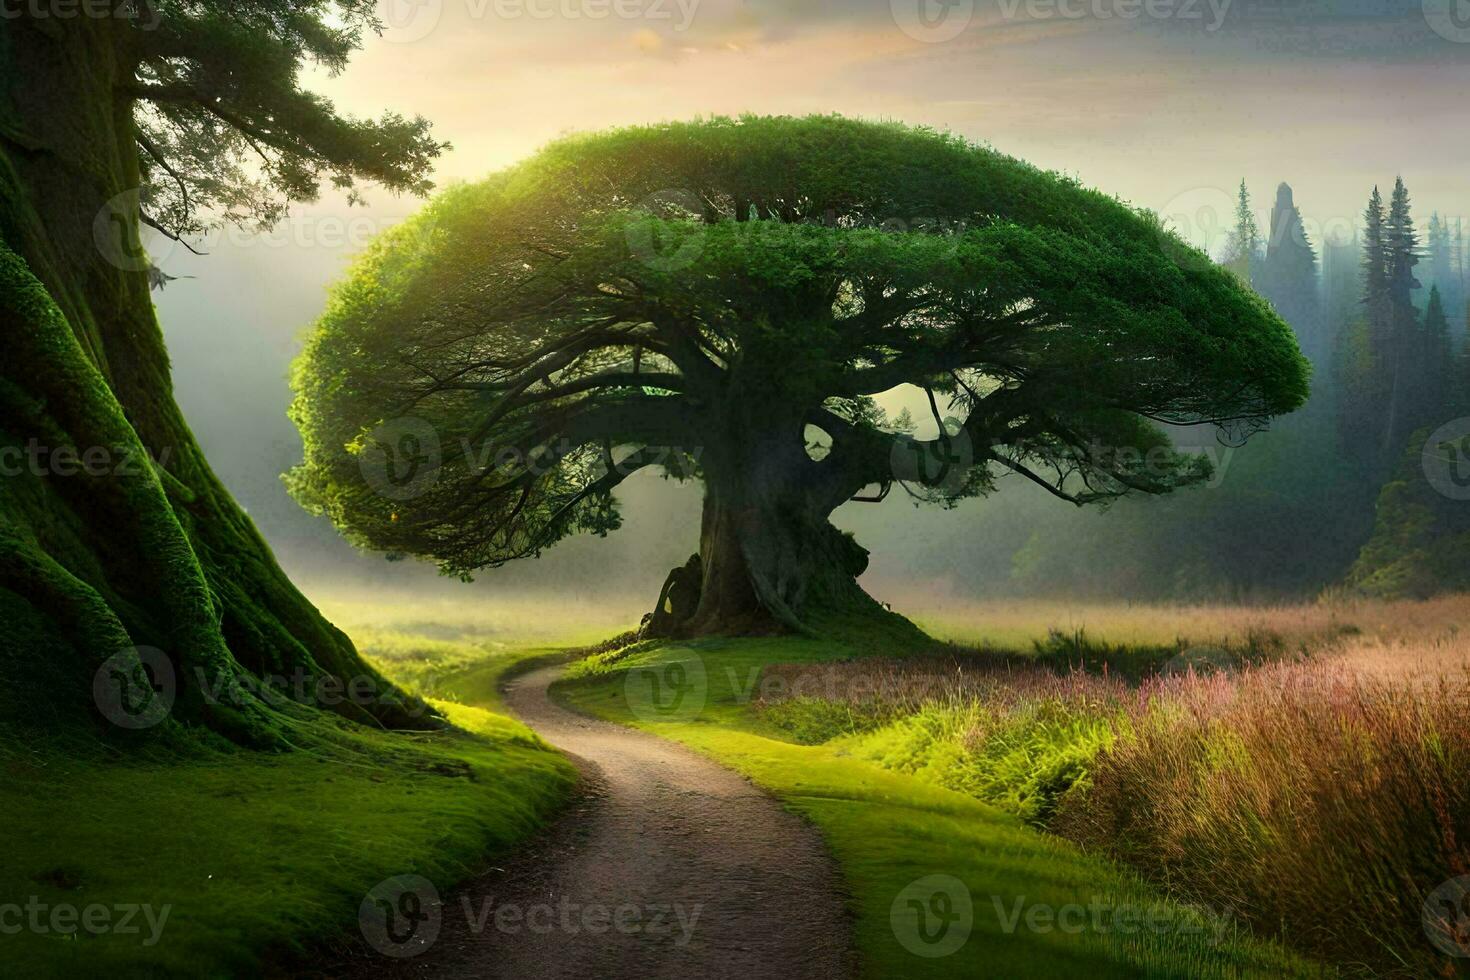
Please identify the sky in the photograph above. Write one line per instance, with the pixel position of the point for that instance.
(1167, 104)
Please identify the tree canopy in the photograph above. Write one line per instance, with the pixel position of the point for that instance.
(696, 296)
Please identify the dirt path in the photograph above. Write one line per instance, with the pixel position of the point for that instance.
(671, 866)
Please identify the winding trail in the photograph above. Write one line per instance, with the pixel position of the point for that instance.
(745, 889)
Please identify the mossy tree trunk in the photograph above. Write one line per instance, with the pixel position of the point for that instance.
(771, 558)
(127, 552)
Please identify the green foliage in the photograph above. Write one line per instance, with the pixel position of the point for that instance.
(225, 132)
(1285, 515)
(1296, 508)
(1421, 535)
(1288, 277)
(717, 285)
(1399, 393)
(1435, 397)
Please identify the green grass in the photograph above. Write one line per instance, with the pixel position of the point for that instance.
(259, 857)
(448, 670)
(888, 830)
(1028, 761)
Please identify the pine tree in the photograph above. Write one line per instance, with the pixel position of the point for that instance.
(1362, 351)
(1460, 299)
(1288, 275)
(1404, 363)
(1245, 238)
(1439, 364)
(1443, 250)
(1375, 254)
(1401, 246)
(1420, 536)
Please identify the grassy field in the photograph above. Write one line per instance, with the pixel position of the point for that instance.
(1235, 787)
(943, 778)
(202, 860)
(1228, 760)
(1028, 904)
(230, 859)
(1018, 624)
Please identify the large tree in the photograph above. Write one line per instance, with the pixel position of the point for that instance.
(177, 114)
(723, 299)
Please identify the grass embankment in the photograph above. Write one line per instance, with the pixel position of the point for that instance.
(1340, 765)
(1037, 905)
(229, 859)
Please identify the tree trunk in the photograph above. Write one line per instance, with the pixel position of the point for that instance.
(772, 560)
(772, 564)
(127, 552)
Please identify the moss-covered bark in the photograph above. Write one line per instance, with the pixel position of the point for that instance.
(149, 548)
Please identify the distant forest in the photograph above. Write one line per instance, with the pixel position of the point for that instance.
(1345, 494)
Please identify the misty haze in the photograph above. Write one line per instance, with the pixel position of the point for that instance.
(721, 488)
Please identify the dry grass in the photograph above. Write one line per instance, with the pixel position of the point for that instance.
(1016, 624)
(1414, 662)
(1320, 796)
(1307, 797)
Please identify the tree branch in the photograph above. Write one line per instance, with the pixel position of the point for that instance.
(157, 155)
(1054, 490)
(143, 217)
